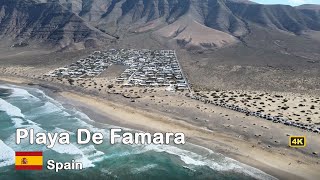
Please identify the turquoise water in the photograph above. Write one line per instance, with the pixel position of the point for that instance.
(24, 107)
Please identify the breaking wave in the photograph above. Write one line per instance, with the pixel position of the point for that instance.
(226, 164)
(6, 155)
(144, 168)
(14, 112)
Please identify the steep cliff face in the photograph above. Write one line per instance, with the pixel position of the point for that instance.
(310, 10)
(47, 23)
(281, 17)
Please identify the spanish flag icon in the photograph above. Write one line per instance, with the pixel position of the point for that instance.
(29, 160)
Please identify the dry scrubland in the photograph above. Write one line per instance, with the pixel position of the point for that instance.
(268, 60)
(296, 107)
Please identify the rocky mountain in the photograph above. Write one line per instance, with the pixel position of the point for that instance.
(309, 6)
(310, 10)
(49, 24)
(285, 18)
(191, 24)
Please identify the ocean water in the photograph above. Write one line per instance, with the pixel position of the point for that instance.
(25, 107)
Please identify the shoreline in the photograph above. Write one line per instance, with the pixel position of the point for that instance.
(194, 135)
(102, 111)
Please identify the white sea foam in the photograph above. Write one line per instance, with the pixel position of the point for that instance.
(14, 112)
(187, 157)
(10, 109)
(6, 155)
(67, 149)
(186, 167)
(48, 98)
(92, 153)
(120, 154)
(82, 116)
(47, 108)
(87, 159)
(17, 122)
(91, 128)
(86, 163)
(106, 171)
(86, 154)
(143, 168)
(227, 164)
(19, 92)
(204, 148)
(59, 130)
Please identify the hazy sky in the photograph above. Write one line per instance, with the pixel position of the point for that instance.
(290, 2)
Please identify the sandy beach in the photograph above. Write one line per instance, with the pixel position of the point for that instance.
(250, 140)
(269, 160)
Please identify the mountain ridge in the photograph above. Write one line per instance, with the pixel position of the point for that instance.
(114, 19)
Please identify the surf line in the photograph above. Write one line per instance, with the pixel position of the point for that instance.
(84, 136)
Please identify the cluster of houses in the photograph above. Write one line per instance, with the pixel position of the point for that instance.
(275, 119)
(145, 68)
(91, 66)
(153, 69)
